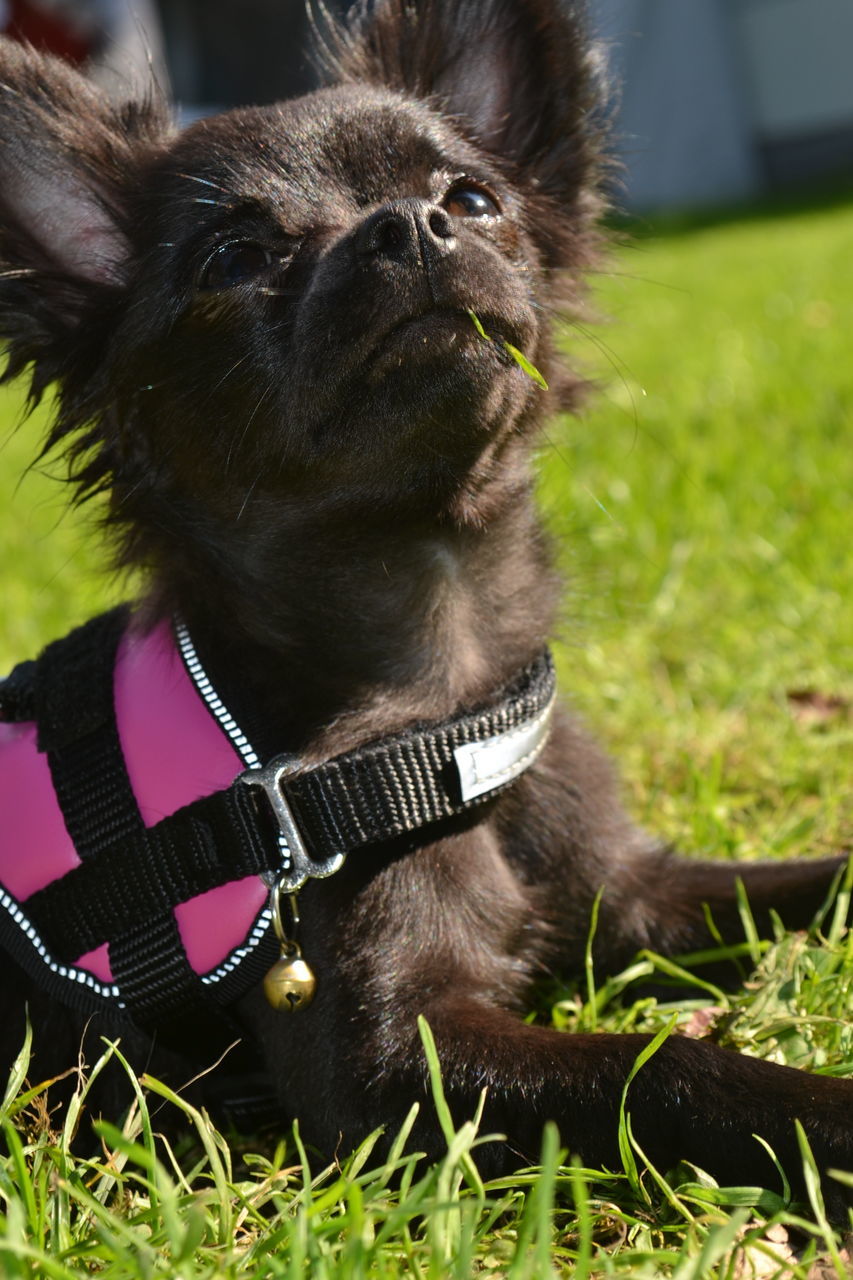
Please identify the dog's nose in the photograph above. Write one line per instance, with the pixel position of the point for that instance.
(406, 230)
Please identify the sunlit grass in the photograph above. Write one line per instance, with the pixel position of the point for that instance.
(135, 1207)
(703, 505)
(51, 570)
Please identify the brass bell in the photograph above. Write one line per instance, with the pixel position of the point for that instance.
(290, 983)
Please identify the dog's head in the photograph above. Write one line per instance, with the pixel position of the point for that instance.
(273, 307)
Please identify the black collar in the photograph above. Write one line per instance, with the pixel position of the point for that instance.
(396, 785)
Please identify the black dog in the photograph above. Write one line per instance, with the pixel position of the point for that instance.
(283, 343)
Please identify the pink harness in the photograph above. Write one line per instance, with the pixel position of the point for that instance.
(176, 750)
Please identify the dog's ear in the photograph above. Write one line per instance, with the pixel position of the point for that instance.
(67, 157)
(520, 77)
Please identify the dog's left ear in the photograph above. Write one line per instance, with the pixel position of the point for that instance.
(68, 156)
(520, 77)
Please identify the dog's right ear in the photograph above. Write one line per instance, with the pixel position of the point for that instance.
(521, 78)
(68, 156)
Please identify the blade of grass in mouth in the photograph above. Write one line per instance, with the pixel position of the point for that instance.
(520, 359)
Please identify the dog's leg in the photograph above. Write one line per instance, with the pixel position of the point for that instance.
(691, 1101)
(675, 906)
(795, 891)
(450, 933)
(569, 840)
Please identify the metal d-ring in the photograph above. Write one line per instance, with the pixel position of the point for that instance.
(286, 934)
(302, 866)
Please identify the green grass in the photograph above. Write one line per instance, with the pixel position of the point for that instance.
(702, 505)
(51, 569)
(704, 508)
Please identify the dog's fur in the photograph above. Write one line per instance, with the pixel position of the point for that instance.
(259, 337)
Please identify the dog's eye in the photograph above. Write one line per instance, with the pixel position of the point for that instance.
(234, 263)
(471, 202)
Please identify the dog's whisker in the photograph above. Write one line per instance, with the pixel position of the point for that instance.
(235, 445)
(205, 182)
(125, 495)
(555, 448)
(248, 495)
(235, 366)
(619, 367)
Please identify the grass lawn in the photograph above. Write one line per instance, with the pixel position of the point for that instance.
(702, 510)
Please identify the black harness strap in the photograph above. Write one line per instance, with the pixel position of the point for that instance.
(74, 681)
(77, 730)
(208, 843)
(17, 694)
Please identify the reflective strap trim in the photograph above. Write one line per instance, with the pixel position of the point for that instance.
(67, 971)
(206, 691)
(484, 766)
(224, 718)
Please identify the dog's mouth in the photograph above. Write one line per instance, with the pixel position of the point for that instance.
(439, 336)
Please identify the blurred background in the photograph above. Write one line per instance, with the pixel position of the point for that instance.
(720, 102)
(724, 101)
